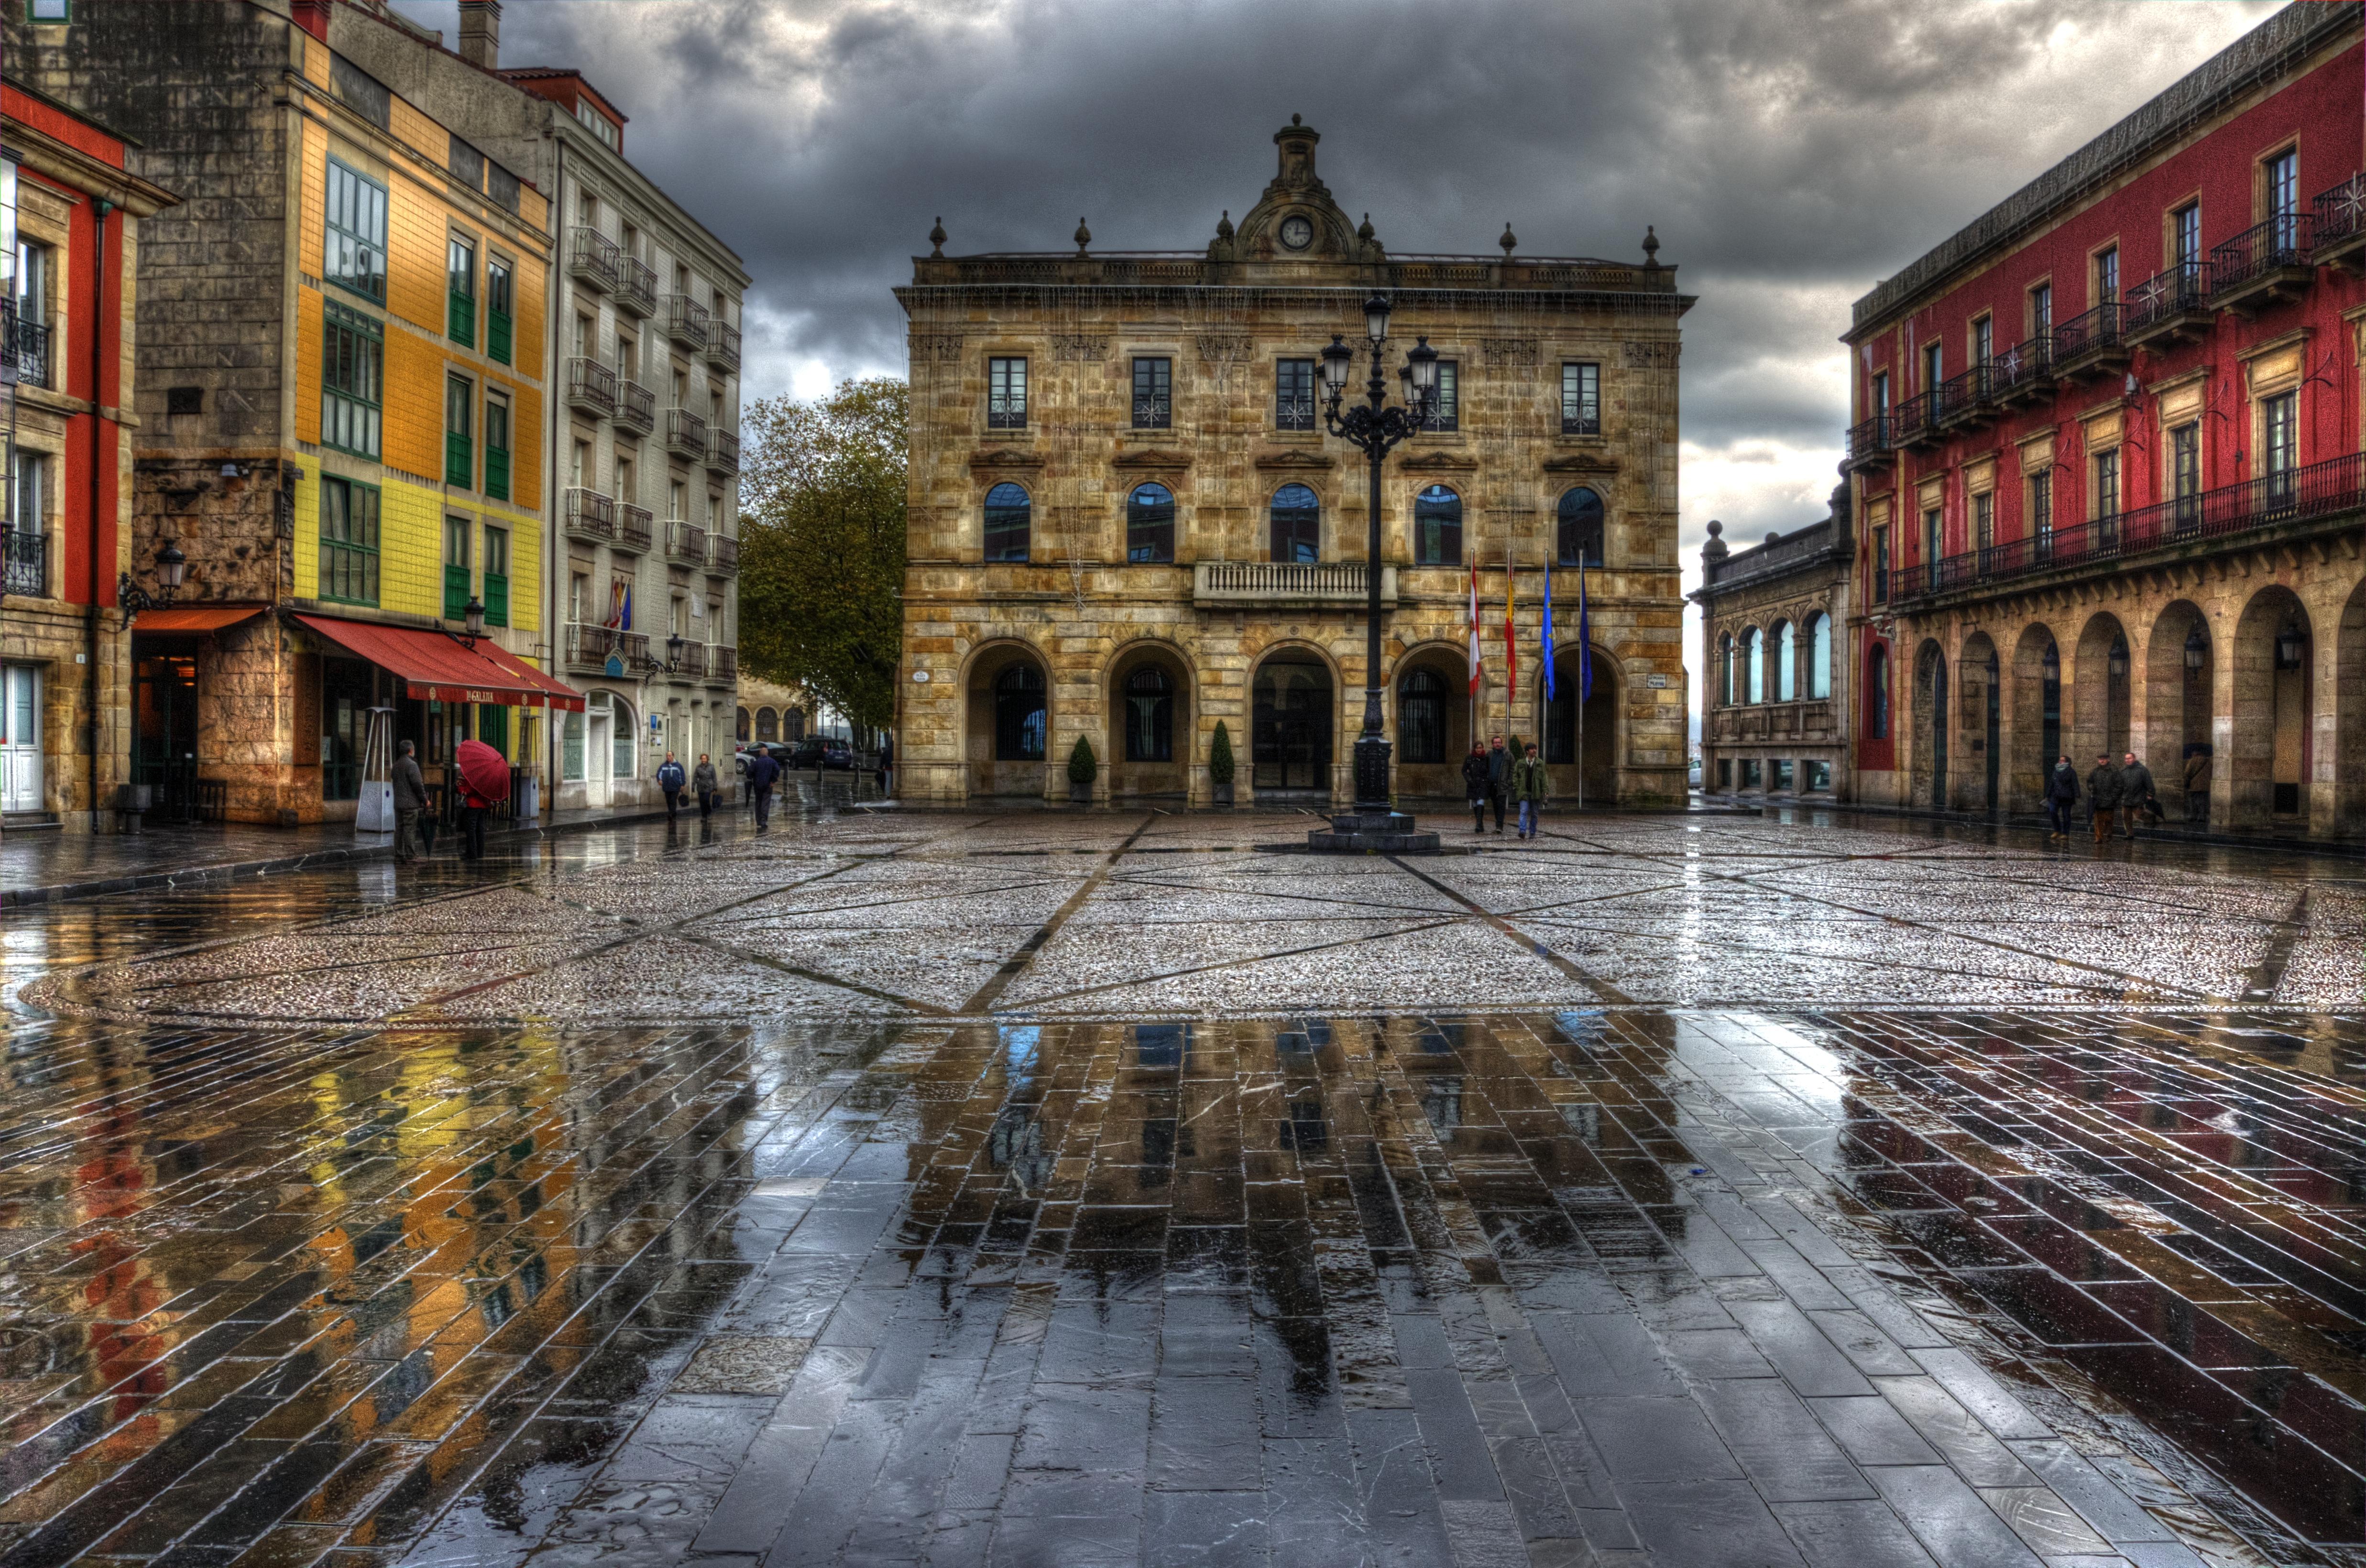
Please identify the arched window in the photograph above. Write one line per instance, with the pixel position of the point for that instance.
(1877, 693)
(626, 739)
(1820, 658)
(768, 724)
(1421, 717)
(1753, 669)
(1018, 714)
(1725, 670)
(1149, 716)
(1149, 525)
(1297, 521)
(1785, 647)
(1008, 513)
(1580, 528)
(742, 730)
(1438, 528)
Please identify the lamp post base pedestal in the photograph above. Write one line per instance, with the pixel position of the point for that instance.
(1369, 831)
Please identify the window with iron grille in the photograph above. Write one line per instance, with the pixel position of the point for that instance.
(1006, 394)
(28, 551)
(349, 513)
(1293, 395)
(1446, 414)
(1581, 398)
(353, 380)
(353, 243)
(1154, 394)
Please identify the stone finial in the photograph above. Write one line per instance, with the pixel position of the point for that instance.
(1364, 230)
(937, 239)
(1650, 248)
(1296, 121)
(1772, 537)
(1084, 238)
(1224, 225)
(1715, 549)
(1509, 241)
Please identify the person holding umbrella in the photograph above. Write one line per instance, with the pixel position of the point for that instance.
(484, 782)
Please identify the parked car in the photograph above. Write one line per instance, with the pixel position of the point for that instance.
(819, 753)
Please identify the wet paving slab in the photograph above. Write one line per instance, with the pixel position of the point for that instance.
(937, 1247)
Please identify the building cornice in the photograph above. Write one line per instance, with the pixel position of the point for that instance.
(1346, 296)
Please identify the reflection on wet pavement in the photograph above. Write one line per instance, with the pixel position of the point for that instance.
(937, 1279)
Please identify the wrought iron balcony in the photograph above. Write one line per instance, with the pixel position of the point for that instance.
(686, 321)
(722, 664)
(636, 406)
(2090, 343)
(2332, 489)
(723, 451)
(2340, 224)
(591, 647)
(1966, 399)
(590, 386)
(1287, 583)
(593, 258)
(722, 555)
(1870, 441)
(24, 349)
(685, 541)
(724, 352)
(2024, 371)
(685, 433)
(1154, 411)
(633, 528)
(2266, 263)
(590, 516)
(1914, 421)
(690, 664)
(1294, 413)
(636, 286)
(2168, 306)
(26, 555)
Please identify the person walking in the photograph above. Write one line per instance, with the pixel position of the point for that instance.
(704, 784)
(409, 800)
(2135, 795)
(473, 810)
(886, 760)
(762, 771)
(2061, 795)
(1499, 778)
(2197, 783)
(1531, 785)
(1474, 786)
(2102, 794)
(672, 780)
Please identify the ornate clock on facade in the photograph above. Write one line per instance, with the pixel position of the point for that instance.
(1297, 233)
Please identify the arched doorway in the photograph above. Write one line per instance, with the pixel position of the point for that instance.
(1009, 722)
(2036, 713)
(1431, 708)
(2179, 664)
(1149, 743)
(2274, 648)
(1981, 715)
(1290, 725)
(1581, 742)
(2099, 695)
(1930, 727)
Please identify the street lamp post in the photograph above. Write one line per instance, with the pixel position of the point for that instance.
(1373, 428)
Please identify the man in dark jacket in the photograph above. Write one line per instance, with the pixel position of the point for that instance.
(2061, 795)
(1499, 778)
(762, 772)
(2103, 794)
(670, 779)
(2136, 795)
(409, 800)
(704, 784)
(1474, 786)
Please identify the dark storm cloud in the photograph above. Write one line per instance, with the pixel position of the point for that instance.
(1790, 151)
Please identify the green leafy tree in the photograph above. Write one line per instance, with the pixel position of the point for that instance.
(821, 562)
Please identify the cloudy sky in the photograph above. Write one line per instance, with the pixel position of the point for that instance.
(1791, 152)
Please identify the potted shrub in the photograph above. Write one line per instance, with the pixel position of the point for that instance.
(1082, 770)
(1220, 764)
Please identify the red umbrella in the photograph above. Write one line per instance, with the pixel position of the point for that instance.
(484, 771)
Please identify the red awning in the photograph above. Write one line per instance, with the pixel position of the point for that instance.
(194, 617)
(438, 667)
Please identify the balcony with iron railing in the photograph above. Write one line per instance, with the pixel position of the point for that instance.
(590, 516)
(590, 386)
(2266, 263)
(636, 286)
(590, 647)
(2170, 305)
(1871, 442)
(722, 664)
(1287, 583)
(1965, 400)
(685, 433)
(2024, 371)
(722, 555)
(2089, 343)
(1914, 422)
(2334, 489)
(2339, 225)
(24, 349)
(593, 258)
(724, 352)
(723, 451)
(685, 541)
(27, 558)
(636, 406)
(688, 662)
(633, 528)
(686, 321)
(1154, 411)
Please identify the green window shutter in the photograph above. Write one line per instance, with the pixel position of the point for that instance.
(497, 599)
(455, 592)
(496, 336)
(459, 460)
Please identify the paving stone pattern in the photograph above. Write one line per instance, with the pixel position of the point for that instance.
(879, 1261)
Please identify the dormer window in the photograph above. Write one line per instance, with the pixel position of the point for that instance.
(596, 122)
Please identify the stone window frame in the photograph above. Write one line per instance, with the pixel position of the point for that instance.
(2271, 370)
(1422, 485)
(31, 443)
(1003, 421)
(2097, 255)
(2172, 226)
(2032, 325)
(984, 495)
(2263, 194)
(1137, 363)
(1314, 425)
(1973, 357)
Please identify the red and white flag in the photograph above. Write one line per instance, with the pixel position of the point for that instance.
(1478, 668)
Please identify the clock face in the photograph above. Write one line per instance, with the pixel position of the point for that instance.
(1297, 233)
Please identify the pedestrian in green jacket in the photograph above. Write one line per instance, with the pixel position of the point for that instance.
(1530, 786)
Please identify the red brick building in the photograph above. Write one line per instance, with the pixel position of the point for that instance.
(2106, 457)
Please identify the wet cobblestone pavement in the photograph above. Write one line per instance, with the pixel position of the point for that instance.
(1094, 1190)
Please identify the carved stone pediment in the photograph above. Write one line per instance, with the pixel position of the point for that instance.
(1581, 462)
(1292, 459)
(1004, 457)
(1163, 459)
(1440, 461)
